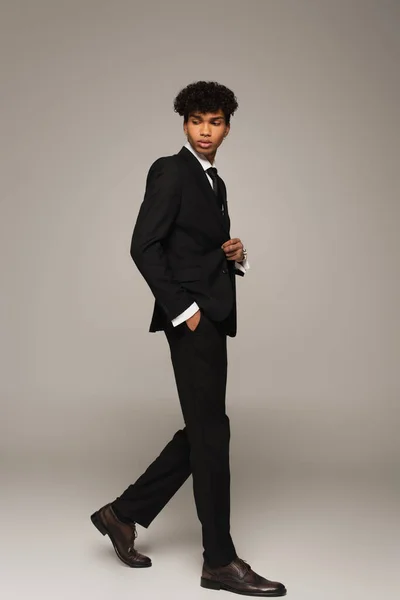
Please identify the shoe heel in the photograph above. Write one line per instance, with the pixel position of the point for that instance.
(210, 584)
(97, 523)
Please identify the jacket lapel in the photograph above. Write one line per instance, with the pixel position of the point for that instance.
(201, 179)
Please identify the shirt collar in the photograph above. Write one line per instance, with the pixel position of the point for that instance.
(205, 163)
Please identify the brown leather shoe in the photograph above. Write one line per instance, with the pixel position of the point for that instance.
(238, 577)
(122, 536)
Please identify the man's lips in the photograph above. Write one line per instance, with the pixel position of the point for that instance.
(204, 143)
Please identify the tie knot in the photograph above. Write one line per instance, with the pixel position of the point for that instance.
(212, 171)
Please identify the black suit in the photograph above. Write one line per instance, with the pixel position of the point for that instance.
(176, 245)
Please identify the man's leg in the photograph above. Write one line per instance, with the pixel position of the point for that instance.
(202, 447)
(199, 359)
(143, 500)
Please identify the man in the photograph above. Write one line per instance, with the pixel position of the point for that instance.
(181, 245)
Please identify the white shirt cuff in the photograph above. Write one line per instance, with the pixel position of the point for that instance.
(189, 312)
(243, 266)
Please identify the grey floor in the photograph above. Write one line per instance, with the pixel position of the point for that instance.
(325, 534)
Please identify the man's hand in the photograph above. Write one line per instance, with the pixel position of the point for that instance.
(233, 249)
(193, 321)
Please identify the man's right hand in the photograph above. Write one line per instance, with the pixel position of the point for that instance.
(194, 320)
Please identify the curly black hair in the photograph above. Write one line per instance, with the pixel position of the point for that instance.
(205, 96)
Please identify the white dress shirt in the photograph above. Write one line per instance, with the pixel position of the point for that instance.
(243, 266)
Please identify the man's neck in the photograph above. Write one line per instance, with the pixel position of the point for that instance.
(210, 158)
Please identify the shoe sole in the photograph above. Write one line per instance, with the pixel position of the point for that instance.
(98, 523)
(216, 585)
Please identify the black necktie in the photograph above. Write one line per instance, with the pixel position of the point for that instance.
(212, 171)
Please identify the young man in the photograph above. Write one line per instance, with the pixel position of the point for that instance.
(181, 245)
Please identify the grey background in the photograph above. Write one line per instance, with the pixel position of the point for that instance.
(87, 394)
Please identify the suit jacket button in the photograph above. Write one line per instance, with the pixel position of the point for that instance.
(224, 271)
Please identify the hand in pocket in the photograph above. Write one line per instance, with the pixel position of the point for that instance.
(194, 321)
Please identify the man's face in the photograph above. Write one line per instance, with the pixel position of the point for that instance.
(206, 131)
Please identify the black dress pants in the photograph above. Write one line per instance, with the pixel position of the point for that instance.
(199, 359)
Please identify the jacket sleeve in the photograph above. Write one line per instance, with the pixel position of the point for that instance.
(155, 220)
(239, 271)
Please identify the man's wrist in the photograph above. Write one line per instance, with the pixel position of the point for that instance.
(190, 311)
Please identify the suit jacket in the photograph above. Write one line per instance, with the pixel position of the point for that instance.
(177, 239)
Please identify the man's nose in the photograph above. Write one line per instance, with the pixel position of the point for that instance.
(205, 130)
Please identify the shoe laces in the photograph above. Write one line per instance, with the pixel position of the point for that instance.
(131, 548)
